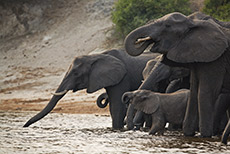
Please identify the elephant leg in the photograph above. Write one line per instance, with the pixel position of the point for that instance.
(116, 107)
(117, 112)
(173, 127)
(209, 88)
(226, 133)
(130, 115)
(190, 123)
(220, 114)
(148, 121)
(158, 124)
(223, 123)
(138, 120)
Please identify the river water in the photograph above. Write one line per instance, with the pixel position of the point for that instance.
(89, 133)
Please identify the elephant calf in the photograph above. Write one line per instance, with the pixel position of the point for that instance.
(162, 107)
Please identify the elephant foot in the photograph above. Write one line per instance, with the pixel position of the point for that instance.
(130, 127)
(137, 128)
(145, 129)
(118, 128)
(206, 134)
(152, 133)
(189, 134)
(224, 141)
(188, 131)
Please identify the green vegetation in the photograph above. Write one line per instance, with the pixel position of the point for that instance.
(130, 14)
(219, 9)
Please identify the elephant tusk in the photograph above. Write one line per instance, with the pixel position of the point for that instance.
(60, 93)
(143, 39)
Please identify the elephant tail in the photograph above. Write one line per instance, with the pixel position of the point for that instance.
(45, 111)
(100, 98)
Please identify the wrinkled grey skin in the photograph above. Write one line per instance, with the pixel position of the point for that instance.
(220, 117)
(100, 99)
(220, 114)
(200, 45)
(163, 108)
(158, 77)
(113, 70)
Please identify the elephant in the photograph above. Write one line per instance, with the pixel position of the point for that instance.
(102, 97)
(162, 107)
(202, 45)
(158, 77)
(201, 16)
(113, 70)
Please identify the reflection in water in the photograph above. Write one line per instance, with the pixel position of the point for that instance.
(74, 133)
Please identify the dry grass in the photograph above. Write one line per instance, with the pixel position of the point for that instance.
(196, 5)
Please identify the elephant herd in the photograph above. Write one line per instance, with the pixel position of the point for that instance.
(183, 81)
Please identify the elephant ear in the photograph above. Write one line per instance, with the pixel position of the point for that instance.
(204, 42)
(148, 105)
(105, 71)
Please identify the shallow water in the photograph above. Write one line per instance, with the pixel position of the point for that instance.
(76, 133)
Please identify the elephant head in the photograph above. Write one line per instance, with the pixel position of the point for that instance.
(157, 75)
(91, 72)
(181, 39)
(143, 100)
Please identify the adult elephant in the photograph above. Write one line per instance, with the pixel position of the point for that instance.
(113, 70)
(158, 77)
(201, 45)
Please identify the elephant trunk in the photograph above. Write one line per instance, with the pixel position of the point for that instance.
(137, 41)
(126, 97)
(49, 107)
(45, 111)
(159, 72)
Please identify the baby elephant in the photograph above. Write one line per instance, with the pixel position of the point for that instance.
(163, 107)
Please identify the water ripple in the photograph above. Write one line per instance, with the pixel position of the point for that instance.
(75, 133)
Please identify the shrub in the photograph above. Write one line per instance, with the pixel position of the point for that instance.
(219, 9)
(130, 14)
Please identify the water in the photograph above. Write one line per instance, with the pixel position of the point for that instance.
(88, 133)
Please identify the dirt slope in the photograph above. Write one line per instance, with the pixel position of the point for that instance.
(33, 59)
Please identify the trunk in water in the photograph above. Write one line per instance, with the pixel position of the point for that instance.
(46, 110)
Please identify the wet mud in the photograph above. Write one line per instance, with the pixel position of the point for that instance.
(89, 133)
